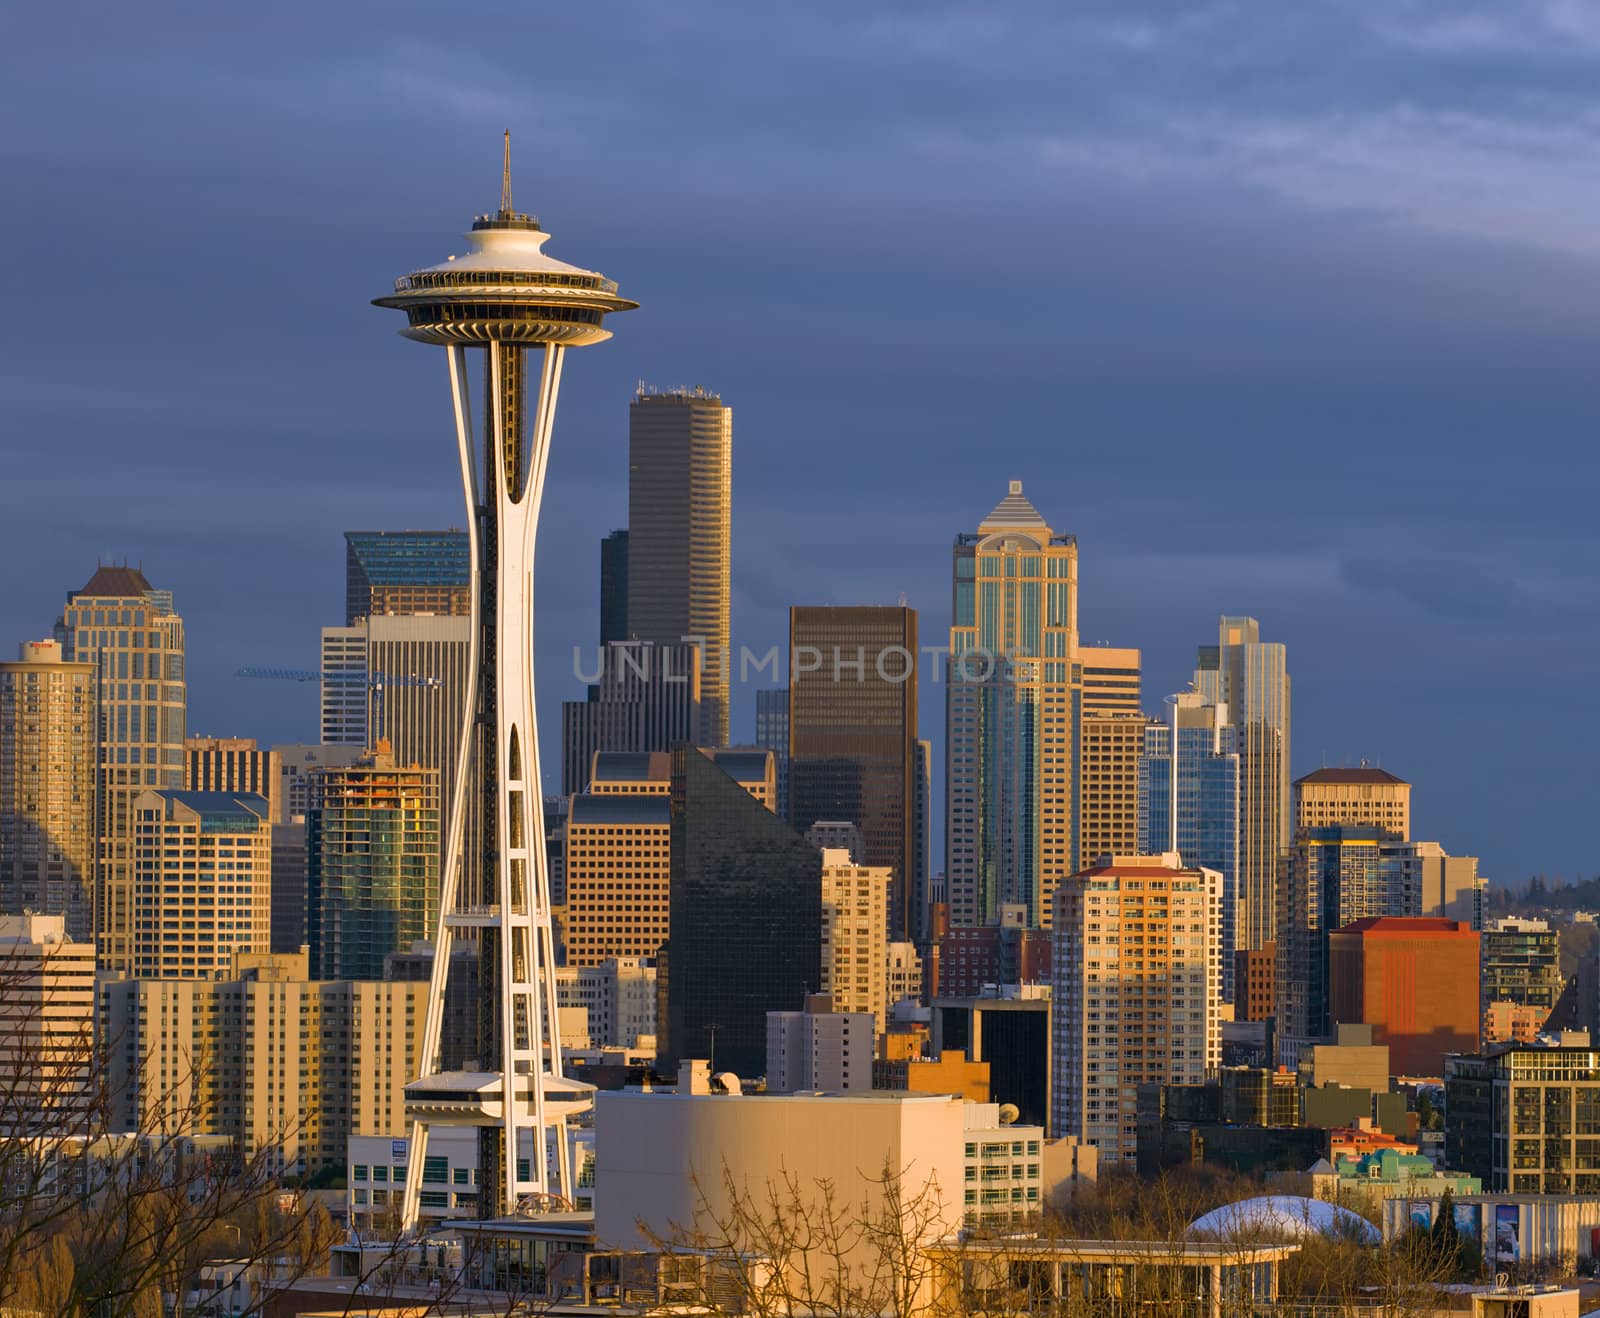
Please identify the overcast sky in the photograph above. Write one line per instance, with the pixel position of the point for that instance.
(1284, 310)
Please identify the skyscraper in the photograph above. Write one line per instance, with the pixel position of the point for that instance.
(855, 942)
(1325, 798)
(1200, 820)
(1250, 679)
(648, 699)
(233, 764)
(772, 733)
(406, 572)
(372, 865)
(1011, 706)
(1334, 877)
(746, 914)
(680, 500)
(1110, 744)
(853, 734)
(203, 881)
(614, 588)
(48, 753)
(1135, 973)
(128, 630)
(46, 1029)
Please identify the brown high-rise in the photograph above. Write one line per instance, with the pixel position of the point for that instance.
(1325, 798)
(680, 501)
(1111, 740)
(853, 735)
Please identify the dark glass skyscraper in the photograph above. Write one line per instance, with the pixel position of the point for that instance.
(853, 734)
(746, 915)
(614, 588)
(772, 733)
(406, 572)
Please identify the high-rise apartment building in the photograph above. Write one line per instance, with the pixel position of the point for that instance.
(1325, 798)
(1250, 679)
(614, 588)
(233, 764)
(1414, 981)
(853, 734)
(1189, 802)
(46, 1027)
(1452, 888)
(1011, 703)
(48, 755)
(1334, 877)
(202, 881)
(680, 532)
(772, 733)
(855, 939)
(289, 1066)
(647, 698)
(298, 783)
(129, 631)
(746, 913)
(1111, 744)
(372, 884)
(904, 975)
(619, 995)
(1134, 996)
(1522, 964)
(822, 1047)
(406, 573)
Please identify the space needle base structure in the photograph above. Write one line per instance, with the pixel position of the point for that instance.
(524, 309)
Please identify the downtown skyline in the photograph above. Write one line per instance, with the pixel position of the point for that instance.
(1350, 417)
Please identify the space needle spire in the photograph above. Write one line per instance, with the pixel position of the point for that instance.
(523, 309)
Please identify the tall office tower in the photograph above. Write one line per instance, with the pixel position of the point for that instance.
(46, 1027)
(1324, 798)
(289, 1066)
(298, 783)
(1521, 961)
(746, 913)
(1414, 981)
(772, 733)
(855, 936)
(680, 532)
(406, 573)
(1250, 679)
(614, 588)
(233, 764)
(1010, 713)
(372, 872)
(1134, 999)
(289, 886)
(922, 842)
(647, 698)
(128, 630)
(1201, 821)
(202, 881)
(344, 696)
(48, 751)
(853, 734)
(1334, 877)
(1111, 742)
(838, 835)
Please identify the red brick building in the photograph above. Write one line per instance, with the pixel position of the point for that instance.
(1415, 981)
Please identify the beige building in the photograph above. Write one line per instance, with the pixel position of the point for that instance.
(904, 974)
(279, 1062)
(618, 852)
(1450, 886)
(234, 764)
(680, 533)
(1111, 736)
(855, 936)
(46, 1025)
(48, 750)
(1325, 797)
(1135, 993)
(129, 632)
(203, 881)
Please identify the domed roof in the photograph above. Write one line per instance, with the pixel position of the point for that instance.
(1283, 1215)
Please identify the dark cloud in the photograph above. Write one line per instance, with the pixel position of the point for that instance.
(1283, 312)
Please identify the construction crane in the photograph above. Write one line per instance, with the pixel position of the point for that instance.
(374, 682)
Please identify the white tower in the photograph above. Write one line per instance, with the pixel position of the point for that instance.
(510, 299)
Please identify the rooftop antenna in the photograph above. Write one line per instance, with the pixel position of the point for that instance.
(505, 179)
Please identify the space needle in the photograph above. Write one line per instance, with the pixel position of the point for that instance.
(524, 309)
